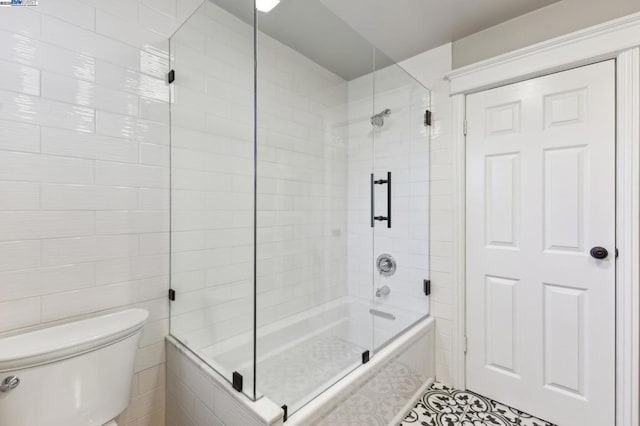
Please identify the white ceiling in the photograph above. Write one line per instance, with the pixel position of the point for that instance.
(338, 34)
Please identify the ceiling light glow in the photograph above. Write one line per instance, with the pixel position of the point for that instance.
(266, 5)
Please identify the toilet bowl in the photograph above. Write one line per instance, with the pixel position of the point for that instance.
(75, 374)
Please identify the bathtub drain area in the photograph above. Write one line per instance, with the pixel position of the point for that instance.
(290, 376)
(379, 401)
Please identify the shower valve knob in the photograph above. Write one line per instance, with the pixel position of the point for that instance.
(386, 265)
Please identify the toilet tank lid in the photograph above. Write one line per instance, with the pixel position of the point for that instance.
(67, 340)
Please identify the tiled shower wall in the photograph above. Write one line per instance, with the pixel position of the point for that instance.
(84, 155)
(301, 181)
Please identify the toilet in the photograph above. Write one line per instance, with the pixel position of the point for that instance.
(74, 374)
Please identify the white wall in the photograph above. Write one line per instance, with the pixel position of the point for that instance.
(84, 151)
(429, 68)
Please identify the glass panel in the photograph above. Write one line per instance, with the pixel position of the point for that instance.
(312, 326)
(212, 116)
(401, 252)
(273, 251)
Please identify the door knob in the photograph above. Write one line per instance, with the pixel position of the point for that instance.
(599, 253)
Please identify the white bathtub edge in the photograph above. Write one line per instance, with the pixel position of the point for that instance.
(263, 410)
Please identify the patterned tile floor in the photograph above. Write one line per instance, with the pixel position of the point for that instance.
(445, 406)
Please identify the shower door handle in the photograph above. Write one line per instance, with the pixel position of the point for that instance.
(373, 201)
(387, 182)
(388, 199)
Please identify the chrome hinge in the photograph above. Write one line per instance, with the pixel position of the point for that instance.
(465, 129)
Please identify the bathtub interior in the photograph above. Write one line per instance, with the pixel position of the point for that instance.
(302, 355)
(384, 391)
(380, 392)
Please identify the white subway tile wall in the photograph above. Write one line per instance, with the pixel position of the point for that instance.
(84, 171)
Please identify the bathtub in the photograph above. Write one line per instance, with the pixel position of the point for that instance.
(197, 394)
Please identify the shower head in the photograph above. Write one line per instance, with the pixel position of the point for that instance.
(378, 119)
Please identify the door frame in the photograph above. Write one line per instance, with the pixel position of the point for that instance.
(620, 40)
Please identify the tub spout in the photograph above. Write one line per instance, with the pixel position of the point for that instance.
(383, 291)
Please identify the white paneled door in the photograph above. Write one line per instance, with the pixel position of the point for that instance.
(540, 198)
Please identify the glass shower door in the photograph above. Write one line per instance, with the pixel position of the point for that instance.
(401, 194)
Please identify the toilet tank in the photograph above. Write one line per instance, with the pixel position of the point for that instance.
(75, 374)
